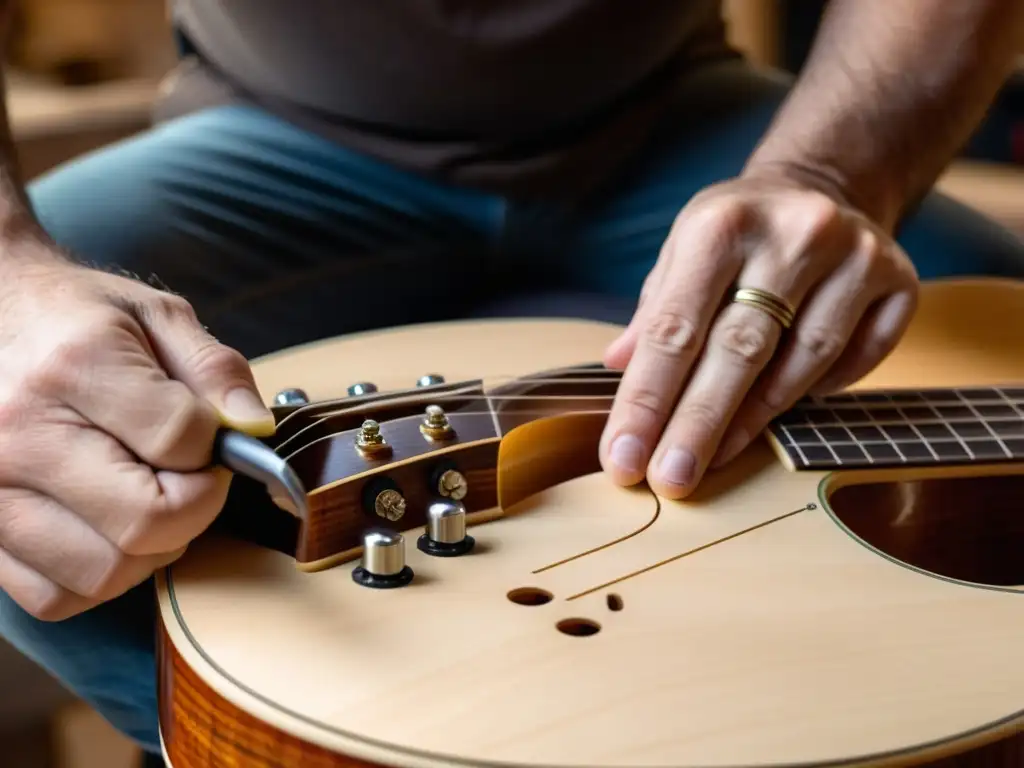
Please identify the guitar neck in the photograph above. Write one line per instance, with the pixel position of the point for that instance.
(903, 427)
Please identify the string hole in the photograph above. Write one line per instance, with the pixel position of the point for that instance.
(614, 602)
(530, 596)
(578, 627)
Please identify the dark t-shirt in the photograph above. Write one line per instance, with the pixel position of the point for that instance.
(518, 96)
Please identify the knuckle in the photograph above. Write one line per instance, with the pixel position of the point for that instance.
(59, 369)
(670, 332)
(702, 415)
(15, 412)
(142, 536)
(769, 398)
(182, 413)
(215, 361)
(747, 343)
(728, 217)
(46, 602)
(821, 213)
(58, 372)
(101, 579)
(823, 343)
(642, 404)
(170, 305)
(871, 253)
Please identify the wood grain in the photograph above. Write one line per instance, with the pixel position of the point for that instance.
(322, 451)
(200, 729)
(770, 619)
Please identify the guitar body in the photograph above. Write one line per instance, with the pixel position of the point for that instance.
(870, 616)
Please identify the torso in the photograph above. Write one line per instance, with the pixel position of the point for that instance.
(481, 90)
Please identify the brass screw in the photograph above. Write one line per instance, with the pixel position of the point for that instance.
(370, 440)
(389, 504)
(435, 425)
(453, 484)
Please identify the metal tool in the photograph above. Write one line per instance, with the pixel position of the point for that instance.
(249, 456)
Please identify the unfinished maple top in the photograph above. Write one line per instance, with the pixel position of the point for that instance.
(594, 625)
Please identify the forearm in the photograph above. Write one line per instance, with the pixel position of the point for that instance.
(891, 91)
(21, 235)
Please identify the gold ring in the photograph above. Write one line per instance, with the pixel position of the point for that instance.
(774, 305)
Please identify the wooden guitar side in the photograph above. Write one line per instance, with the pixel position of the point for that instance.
(774, 619)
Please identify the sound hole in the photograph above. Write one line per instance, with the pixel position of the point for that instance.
(578, 627)
(530, 596)
(968, 528)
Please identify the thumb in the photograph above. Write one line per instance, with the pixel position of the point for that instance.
(219, 374)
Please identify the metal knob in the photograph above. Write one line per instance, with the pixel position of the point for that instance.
(383, 563)
(293, 396)
(446, 530)
(362, 388)
(430, 380)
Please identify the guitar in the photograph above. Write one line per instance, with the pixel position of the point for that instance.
(468, 589)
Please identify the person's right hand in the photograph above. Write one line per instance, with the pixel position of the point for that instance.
(111, 393)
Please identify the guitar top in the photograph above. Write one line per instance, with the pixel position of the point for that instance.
(848, 592)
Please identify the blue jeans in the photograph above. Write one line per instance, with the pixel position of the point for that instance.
(279, 237)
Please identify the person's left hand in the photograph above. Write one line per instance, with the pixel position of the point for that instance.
(704, 375)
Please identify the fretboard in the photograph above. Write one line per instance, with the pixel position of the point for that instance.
(903, 428)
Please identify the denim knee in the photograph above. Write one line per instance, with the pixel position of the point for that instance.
(106, 657)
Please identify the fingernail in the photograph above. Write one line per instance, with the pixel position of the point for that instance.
(677, 466)
(627, 453)
(245, 410)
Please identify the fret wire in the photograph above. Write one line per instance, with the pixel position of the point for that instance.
(852, 400)
(1009, 402)
(856, 441)
(946, 424)
(985, 424)
(825, 442)
(937, 420)
(824, 432)
(494, 417)
(920, 435)
(887, 441)
(795, 444)
(888, 438)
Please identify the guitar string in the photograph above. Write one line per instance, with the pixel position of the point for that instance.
(342, 405)
(597, 399)
(687, 553)
(451, 390)
(344, 408)
(293, 448)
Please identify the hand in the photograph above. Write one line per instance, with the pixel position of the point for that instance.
(701, 377)
(110, 396)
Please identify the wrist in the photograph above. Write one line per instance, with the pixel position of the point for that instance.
(877, 196)
(26, 247)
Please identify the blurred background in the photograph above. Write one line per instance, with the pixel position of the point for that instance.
(84, 73)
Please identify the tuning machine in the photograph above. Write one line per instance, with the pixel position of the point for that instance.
(435, 424)
(383, 563)
(429, 380)
(445, 534)
(292, 396)
(362, 388)
(370, 443)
